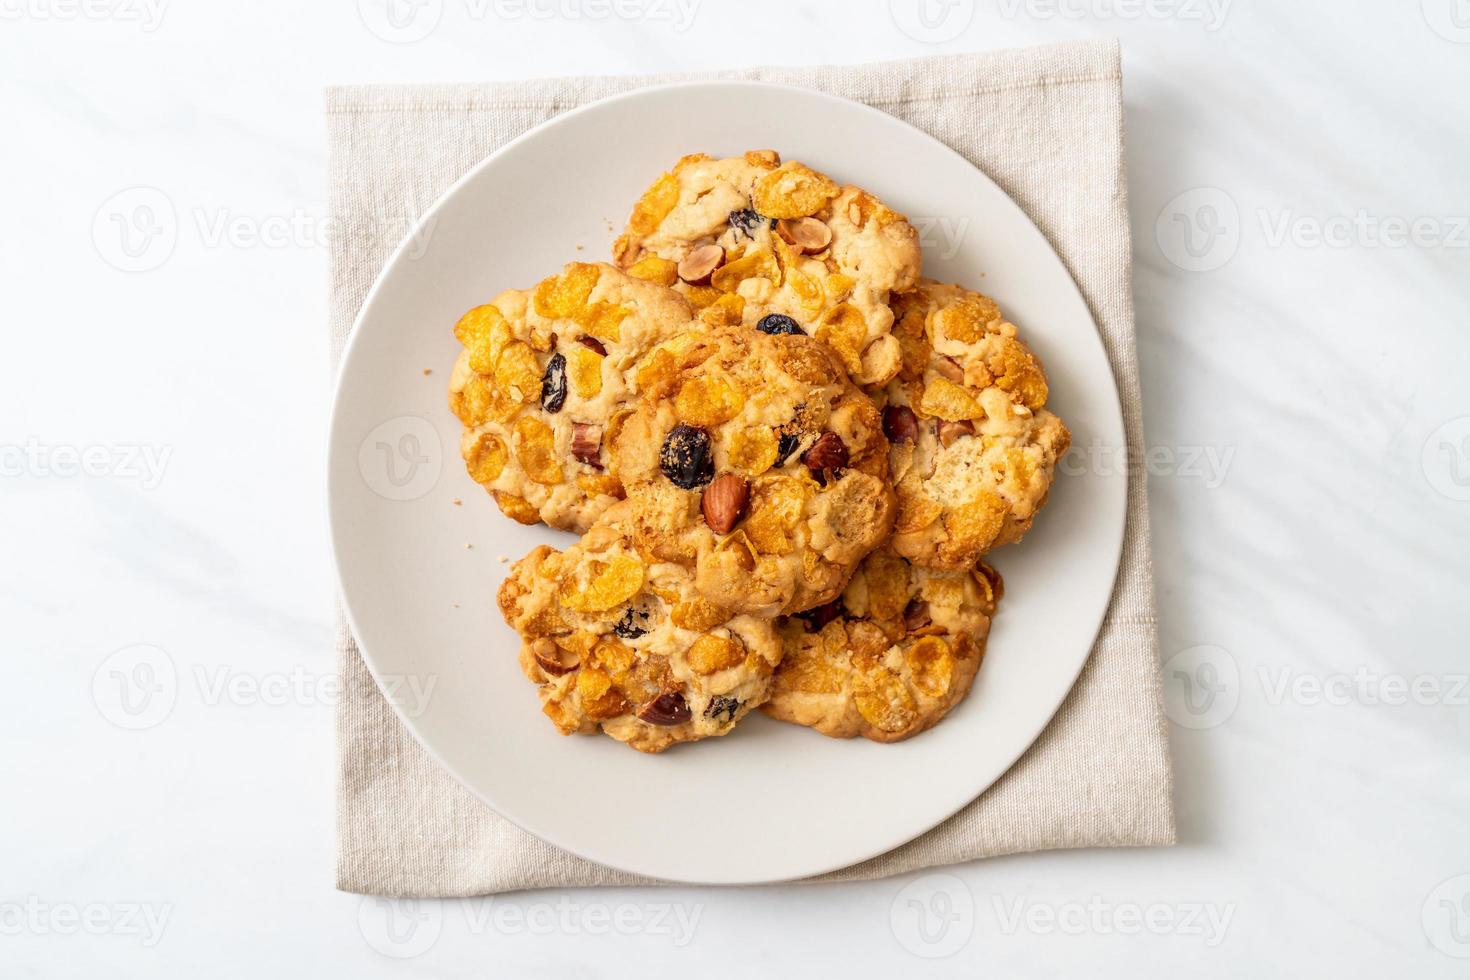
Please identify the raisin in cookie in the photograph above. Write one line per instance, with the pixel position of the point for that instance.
(974, 448)
(752, 459)
(892, 657)
(542, 376)
(617, 643)
(750, 239)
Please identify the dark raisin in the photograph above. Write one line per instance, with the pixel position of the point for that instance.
(554, 384)
(722, 706)
(592, 343)
(627, 628)
(776, 324)
(685, 457)
(785, 446)
(666, 709)
(747, 222)
(816, 618)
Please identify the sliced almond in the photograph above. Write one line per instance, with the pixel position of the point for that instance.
(587, 443)
(951, 369)
(696, 267)
(950, 431)
(805, 234)
(553, 659)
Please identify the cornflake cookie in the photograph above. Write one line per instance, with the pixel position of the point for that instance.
(616, 643)
(544, 376)
(974, 449)
(892, 657)
(754, 460)
(753, 240)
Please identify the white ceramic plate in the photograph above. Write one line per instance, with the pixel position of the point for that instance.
(770, 801)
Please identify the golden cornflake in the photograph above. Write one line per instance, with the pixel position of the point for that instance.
(600, 700)
(517, 509)
(584, 371)
(1017, 372)
(665, 272)
(706, 401)
(932, 664)
(916, 511)
(537, 450)
(843, 329)
(883, 699)
(711, 653)
(654, 206)
(792, 191)
(612, 583)
(946, 400)
(486, 458)
(757, 264)
(753, 450)
(561, 296)
(599, 484)
(603, 320)
(698, 615)
(518, 373)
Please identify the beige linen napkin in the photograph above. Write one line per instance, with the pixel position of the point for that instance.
(1046, 124)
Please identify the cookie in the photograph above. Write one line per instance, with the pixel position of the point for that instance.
(753, 460)
(751, 239)
(543, 377)
(974, 448)
(616, 643)
(892, 657)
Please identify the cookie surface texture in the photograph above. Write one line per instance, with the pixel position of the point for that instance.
(753, 240)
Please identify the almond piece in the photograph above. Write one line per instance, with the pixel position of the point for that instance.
(806, 235)
(553, 659)
(950, 431)
(724, 502)
(828, 453)
(696, 267)
(587, 443)
(899, 424)
(951, 369)
(666, 709)
(916, 615)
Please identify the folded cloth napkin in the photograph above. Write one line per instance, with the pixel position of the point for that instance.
(1047, 125)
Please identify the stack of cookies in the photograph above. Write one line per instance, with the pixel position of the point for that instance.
(786, 452)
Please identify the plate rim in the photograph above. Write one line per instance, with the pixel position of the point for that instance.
(1116, 420)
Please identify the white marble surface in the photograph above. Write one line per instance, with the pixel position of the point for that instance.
(1305, 362)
